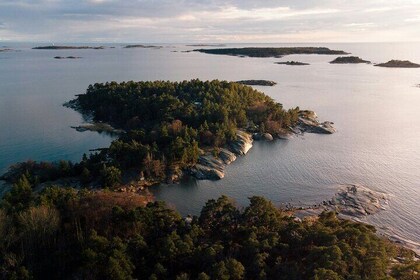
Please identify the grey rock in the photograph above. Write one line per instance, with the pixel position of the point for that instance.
(286, 134)
(242, 144)
(203, 172)
(226, 156)
(211, 167)
(308, 122)
(262, 136)
(267, 137)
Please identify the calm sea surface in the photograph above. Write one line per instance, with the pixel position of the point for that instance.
(376, 111)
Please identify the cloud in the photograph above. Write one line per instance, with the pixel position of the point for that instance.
(414, 19)
(209, 20)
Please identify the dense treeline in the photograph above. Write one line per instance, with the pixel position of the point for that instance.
(64, 234)
(168, 122)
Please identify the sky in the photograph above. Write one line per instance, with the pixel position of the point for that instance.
(210, 21)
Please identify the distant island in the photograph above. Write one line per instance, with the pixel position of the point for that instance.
(67, 48)
(6, 50)
(257, 83)
(270, 52)
(206, 45)
(399, 64)
(142, 46)
(292, 63)
(348, 60)
(67, 57)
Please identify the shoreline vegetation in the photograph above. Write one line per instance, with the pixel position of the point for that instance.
(270, 52)
(349, 60)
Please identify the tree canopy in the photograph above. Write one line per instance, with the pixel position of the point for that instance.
(64, 234)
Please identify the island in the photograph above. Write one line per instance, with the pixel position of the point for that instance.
(206, 45)
(349, 60)
(257, 83)
(292, 63)
(6, 50)
(142, 47)
(167, 130)
(270, 52)
(67, 48)
(67, 57)
(399, 64)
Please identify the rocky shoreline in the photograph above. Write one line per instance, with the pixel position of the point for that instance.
(212, 163)
(351, 201)
(355, 202)
(98, 127)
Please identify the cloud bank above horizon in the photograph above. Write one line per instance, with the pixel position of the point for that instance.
(181, 21)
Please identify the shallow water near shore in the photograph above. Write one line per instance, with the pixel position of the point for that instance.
(374, 109)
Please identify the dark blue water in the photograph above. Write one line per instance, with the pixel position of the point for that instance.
(375, 110)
